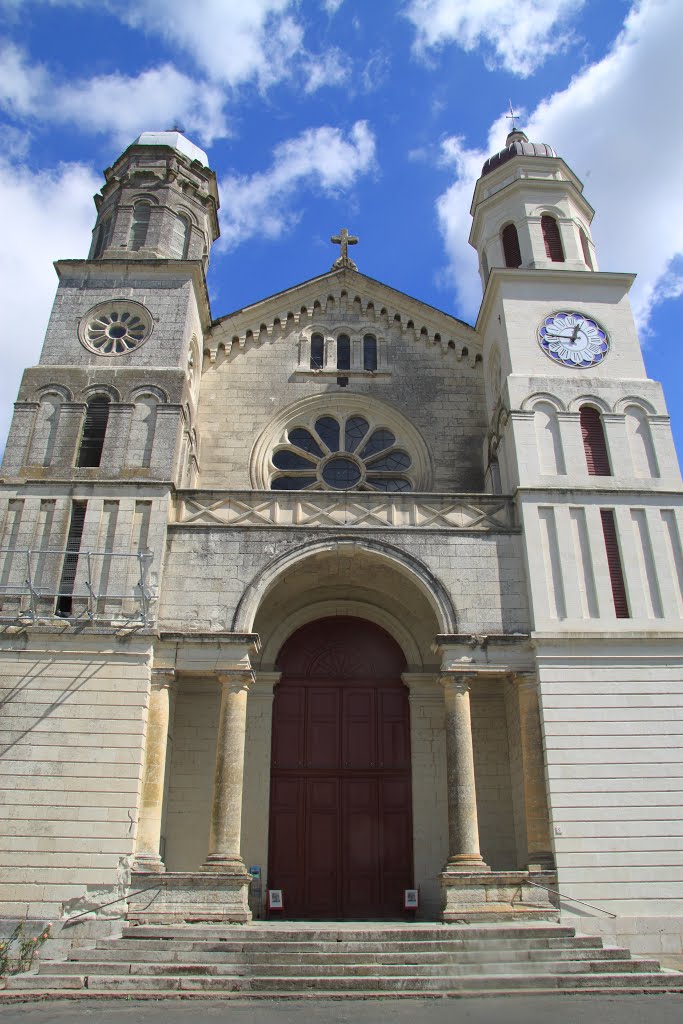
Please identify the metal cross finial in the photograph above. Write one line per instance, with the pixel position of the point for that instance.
(344, 239)
(512, 117)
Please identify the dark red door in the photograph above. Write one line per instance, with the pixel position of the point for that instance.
(341, 812)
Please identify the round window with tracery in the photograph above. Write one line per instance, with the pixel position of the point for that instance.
(115, 328)
(341, 453)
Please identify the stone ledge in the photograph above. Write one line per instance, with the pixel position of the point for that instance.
(189, 897)
(498, 896)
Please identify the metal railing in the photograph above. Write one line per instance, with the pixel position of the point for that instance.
(97, 585)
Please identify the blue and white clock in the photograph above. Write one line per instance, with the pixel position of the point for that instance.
(574, 340)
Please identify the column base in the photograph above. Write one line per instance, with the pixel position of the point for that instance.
(182, 897)
(497, 896)
(222, 865)
(148, 863)
(466, 862)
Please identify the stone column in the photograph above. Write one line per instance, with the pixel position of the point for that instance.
(463, 825)
(147, 856)
(539, 853)
(226, 813)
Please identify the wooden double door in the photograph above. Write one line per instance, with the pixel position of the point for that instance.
(341, 809)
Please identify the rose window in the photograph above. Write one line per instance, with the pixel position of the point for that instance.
(113, 329)
(344, 454)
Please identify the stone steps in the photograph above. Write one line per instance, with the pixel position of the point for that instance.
(283, 961)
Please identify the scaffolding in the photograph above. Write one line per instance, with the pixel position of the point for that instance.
(73, 584)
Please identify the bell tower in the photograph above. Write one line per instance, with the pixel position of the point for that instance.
(159, 201)
(529, 211)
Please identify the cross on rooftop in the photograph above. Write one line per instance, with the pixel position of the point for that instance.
(512, 117)
(344, 240)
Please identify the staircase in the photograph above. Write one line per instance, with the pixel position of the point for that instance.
(291, 960)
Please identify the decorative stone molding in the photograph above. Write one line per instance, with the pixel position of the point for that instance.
(482, 513)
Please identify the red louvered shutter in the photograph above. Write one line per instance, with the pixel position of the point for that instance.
(616, 572)
(594, 443)
(511, 251)
(552, 240)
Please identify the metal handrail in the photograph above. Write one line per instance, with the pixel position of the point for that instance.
(570, 898)
(111, 903)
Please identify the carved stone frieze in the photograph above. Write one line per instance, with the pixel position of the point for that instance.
(483, 513)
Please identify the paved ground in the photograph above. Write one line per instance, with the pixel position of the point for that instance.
(560, 1009)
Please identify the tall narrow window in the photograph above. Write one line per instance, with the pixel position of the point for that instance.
(585, 248)
(70, 564)
(317, 352)
(94, 431)
(180, 238)
(552, 240)
(615, 568)
(104, 233)
(594, 443)
(343, 352)
(369, 352)
(511, 250)
(138, 229)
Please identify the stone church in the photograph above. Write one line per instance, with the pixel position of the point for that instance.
(337, 596)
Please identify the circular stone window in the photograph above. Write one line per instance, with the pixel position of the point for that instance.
(343, 453)
(115, 328)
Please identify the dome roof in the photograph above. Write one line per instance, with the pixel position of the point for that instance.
(516, 144)
(176, 140)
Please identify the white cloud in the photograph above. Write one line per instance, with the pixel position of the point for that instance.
(330, 68)
(517, 35)
(232, 41)
(617, 126)
(112, 104)
(320, 158)
(47, 212)
(332, 6)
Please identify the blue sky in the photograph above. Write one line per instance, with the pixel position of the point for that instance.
(320, 114)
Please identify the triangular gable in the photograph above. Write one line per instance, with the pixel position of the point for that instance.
(332, 296)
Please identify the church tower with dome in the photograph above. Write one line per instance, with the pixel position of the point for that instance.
(335, 595)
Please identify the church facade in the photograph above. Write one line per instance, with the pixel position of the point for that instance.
(337, 596)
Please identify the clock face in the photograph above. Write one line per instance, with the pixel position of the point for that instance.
(573, 339)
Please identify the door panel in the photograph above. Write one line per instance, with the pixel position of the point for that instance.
(359, 727)
(322, 727)
(341, 813)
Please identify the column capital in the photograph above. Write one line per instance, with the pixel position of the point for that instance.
(460, 682)
(163, 677)
(523, 680)
(235, 679)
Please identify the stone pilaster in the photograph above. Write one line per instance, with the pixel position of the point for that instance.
(539, 853)
(226, 815)
(147, 856)
(463, 825)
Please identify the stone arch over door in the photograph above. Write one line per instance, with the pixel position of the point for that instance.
(340, 835)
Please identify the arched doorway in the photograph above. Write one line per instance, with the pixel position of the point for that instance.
(341, 837)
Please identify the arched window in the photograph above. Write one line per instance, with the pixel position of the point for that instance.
(45, 432)
(180, 238)
(138, 229)
(94, 431)
(511, 250)
(369, 352)
(104, 233)
(141, 441)
(317, 352)
(551, 239)
(343, 352)
(640, 443)
(550, 454)
(594, 443)
(585, 248)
